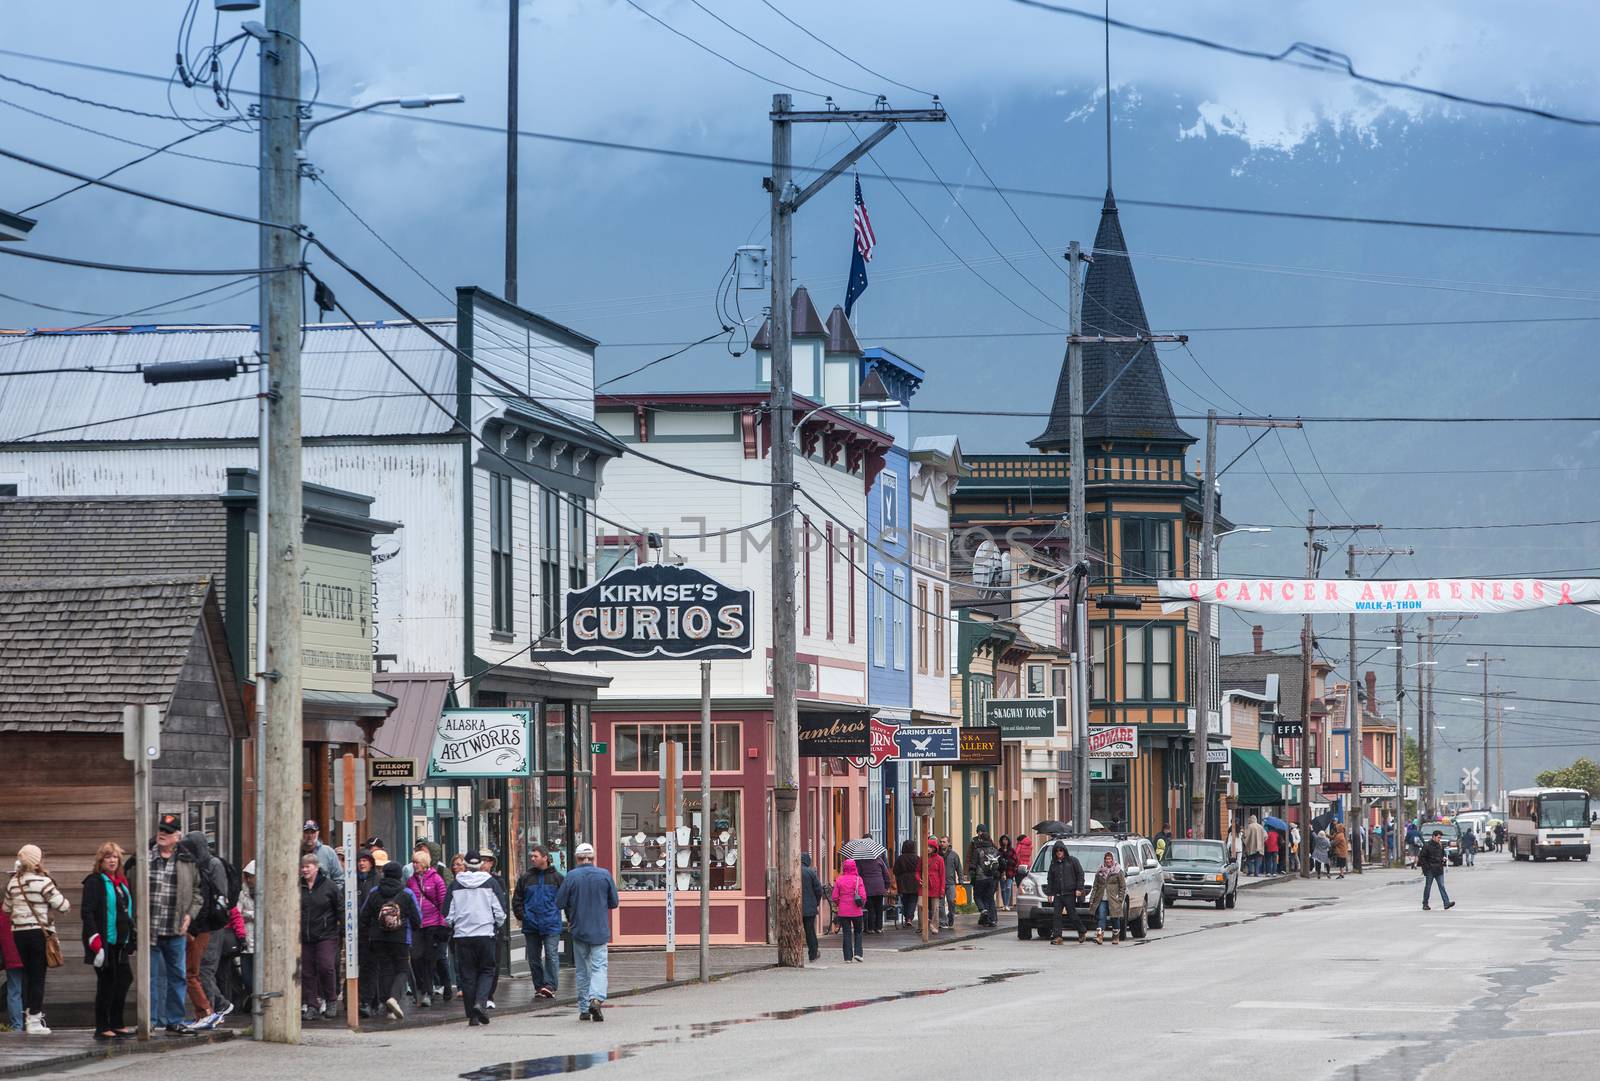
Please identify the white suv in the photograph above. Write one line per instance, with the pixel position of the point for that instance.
(1145, 905)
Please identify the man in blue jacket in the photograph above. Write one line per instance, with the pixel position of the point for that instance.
(535, 901)
(587, 896)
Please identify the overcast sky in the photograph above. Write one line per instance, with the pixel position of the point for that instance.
(629, 248)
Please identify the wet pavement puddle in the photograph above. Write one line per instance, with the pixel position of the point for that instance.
(553, 1065)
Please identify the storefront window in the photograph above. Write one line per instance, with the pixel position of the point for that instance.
(638, 747)
(642, 842)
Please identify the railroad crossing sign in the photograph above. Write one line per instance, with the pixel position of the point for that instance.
(1469, 777)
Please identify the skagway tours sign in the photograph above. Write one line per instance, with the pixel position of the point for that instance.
(1354, 596)
(655, 613)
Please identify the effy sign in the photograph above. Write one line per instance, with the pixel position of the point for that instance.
(1386, 596)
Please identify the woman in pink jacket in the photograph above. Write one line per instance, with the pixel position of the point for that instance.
(428, 890)
(850, 898)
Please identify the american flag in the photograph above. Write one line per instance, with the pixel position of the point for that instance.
(866, 240)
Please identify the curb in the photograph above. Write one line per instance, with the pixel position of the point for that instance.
(154, 1046)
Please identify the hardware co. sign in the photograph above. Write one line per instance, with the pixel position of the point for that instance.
(655, 612)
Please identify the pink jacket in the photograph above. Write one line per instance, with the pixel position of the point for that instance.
(428, 887)
(849, 892)
(236, 922)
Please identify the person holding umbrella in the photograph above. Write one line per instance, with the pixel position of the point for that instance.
(873, 869)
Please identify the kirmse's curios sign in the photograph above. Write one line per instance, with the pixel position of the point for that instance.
(655, 612)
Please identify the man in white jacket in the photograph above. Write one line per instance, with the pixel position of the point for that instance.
(473, 910)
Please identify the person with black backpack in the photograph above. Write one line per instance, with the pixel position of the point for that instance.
(389, 919)
(984, 864)
(200, 969)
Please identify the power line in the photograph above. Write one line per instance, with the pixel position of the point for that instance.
(725, 59)
(759, 163)
(851, 59)
(126, 141)
(792, 63)
(158, 308)
(91, 101)
(182, 272)
(33, 436)
(152, 152)
(1315, 58)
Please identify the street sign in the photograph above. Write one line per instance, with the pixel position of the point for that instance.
(141, 733)
(597, 747)
(394, 770)
(1113, 741)
(481, 743)
(928, 743)
(1292, 775)
(1288, 729)
(1413, 792)
(1025, 718)
(834, 735)
(358, 797)
(1379, 791)
(1469, 777)
(656, 612)
(980, 748)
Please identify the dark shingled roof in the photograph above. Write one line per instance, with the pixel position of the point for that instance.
(77, 650)
(172, 536)
(841, 338)
(804, 322)
(1137, 406)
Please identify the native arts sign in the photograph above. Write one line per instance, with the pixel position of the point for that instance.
(480, 743)
(655, 612)
(1382, 596)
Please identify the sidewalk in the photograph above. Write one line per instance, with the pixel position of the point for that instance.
(631, 972)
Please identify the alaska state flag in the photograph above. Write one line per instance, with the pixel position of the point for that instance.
(860, 253)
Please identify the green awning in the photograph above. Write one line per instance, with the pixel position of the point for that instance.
(1260, 785)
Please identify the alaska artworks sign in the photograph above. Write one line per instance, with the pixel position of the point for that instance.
(655, 612)
(1386, 596)
(480, 743)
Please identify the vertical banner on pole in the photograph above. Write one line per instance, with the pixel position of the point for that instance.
(705, 821)
(669, 814)
(352, 797)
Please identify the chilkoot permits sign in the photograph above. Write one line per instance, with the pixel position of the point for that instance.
(655, 612)
(1285, 596)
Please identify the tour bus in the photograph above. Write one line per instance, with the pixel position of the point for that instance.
(1543, 822)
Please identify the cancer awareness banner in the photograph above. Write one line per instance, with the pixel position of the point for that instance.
(1347, 596)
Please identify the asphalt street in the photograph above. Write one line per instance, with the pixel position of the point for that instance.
(1321, 979)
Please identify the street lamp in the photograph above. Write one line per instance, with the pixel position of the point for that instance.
(419, 101)
(1242, 529)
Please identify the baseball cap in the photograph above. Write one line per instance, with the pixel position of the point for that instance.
(585, 849)
(474, 859)
(310, 826)
(170, 823)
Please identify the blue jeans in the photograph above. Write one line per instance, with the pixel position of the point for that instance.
(14, 998)
(1427, 887)
(1007, 885)
(590, 962)
(168, 984)
(1272, 863)
(850, 933)
(1102, 915)
(544, 958)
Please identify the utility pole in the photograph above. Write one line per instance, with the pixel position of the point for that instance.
(1427, 755)
(278, 546)
(1076, 472)
(1484, 662)
(1499, 739)
(1078, 543)
(1314, 551)
(1357, 739)
(1422, 729)
(785, 201)
(513, 64)
(1200, 785)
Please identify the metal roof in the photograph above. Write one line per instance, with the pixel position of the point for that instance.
(349, 388)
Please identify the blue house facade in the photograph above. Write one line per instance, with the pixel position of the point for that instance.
(888, 559)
